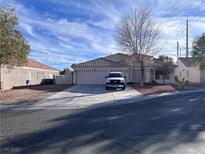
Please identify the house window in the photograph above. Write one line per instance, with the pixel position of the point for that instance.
(158, 75)
(44, 75)
(50, 76)
(180, 74)
(30, 75)
(39, 76)
(187, 73)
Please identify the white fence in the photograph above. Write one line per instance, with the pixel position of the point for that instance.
(63, 79)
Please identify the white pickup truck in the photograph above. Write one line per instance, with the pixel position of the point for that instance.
(115, 80)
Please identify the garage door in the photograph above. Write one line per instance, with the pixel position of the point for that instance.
(93, 77)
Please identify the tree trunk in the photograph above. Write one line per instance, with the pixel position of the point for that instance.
(142, 75)
(164, 78)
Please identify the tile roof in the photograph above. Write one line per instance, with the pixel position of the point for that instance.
(187, 62)
(35, 64)
(157, 63)
(115, 60)
(117, 57)
(100, 62)
(120, 56)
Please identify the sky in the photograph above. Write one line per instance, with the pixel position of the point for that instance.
(64, 32)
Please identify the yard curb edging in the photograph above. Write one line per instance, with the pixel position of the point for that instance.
(153, 96)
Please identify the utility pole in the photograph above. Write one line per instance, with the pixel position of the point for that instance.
(180, 52)
(177, 49)
(187, 39)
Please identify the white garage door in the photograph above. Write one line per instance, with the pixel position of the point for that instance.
(92, 77)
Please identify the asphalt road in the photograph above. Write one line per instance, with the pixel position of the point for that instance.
(170, 124)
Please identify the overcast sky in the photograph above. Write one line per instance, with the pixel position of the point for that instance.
(63, 32)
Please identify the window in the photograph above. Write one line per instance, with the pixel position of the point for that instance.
(180, 74)
(152, 74)
(30, 75)
(187, 73)
(113, 75)
(44, 75)
(39, 76)
(50, 76)
(159, 75)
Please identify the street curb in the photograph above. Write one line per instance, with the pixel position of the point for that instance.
(152, 96)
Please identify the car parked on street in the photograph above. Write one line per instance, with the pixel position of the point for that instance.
(115, 80)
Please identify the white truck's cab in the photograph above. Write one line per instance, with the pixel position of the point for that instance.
(115, 80)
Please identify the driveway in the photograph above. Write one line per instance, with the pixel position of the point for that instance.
(170, 124)
(86, 96)
(83, 97)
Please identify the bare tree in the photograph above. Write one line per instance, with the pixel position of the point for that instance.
(138, 34)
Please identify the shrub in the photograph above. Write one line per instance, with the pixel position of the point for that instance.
(182, 82)
(153, 82)
(130, 83)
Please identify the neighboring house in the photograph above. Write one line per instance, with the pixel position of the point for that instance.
(185, 69)
(31, 74)
(94, 71)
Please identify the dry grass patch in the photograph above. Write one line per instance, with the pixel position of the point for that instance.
(150, 89)
(30, 94)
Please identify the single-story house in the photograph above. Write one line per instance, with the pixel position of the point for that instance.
(31, 74)
(185, 69)
(94, 71)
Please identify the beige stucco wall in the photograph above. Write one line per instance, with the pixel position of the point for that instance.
(17, 76)
(190, 74)
(135, 73)
(136, 76)
(96, 75)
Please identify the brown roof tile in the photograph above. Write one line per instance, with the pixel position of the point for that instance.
(187, 62)
(35, 64)
(100, 62)
(115, 60)
(117, 57)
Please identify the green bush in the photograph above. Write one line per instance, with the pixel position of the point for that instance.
(153, 82)
(182, 82)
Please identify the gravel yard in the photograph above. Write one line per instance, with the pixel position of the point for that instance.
(150, 89)
(30, 94)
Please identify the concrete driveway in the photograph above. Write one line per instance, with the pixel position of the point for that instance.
(87, 96)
